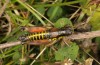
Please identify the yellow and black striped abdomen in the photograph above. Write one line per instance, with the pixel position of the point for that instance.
(37, 36)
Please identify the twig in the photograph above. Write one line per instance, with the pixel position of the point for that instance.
(3, 7)
(92, 57)
(72, 37)
(9, 44)
(85, 35)
(74, 13)
(39, 55)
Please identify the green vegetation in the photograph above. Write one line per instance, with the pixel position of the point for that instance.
(80, 15)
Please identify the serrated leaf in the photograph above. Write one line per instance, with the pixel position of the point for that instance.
(73, 51)
(54, 13)
(62, 22)
(67, 52)
(61, 54)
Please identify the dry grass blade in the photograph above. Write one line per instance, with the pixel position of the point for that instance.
(4, 7)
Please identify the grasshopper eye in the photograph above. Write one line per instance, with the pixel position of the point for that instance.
(22, 38)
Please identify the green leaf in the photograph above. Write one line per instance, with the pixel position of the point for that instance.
(95, 20)
(72, 51)
(62, 22)
(84, 2)
(41, 10)
(16, 56)
(54, 13)
(13, 1)
(67, 52)
(61, 54)
(94, 16)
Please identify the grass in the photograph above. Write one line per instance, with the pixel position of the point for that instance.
(48, 14)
